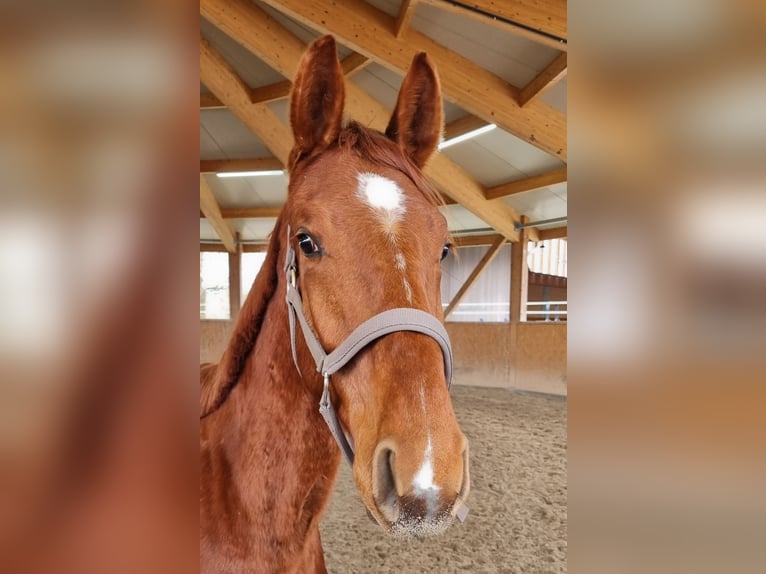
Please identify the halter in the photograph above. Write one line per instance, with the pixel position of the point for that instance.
(391, 321)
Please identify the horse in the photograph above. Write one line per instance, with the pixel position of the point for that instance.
(353, 265)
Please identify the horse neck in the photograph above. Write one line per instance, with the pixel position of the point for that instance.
(283, 455)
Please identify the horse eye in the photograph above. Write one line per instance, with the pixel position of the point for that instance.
(445, 250)
(307, 244)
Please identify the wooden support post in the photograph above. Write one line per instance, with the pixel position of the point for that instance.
(493, 250)
(519, 278)
(235, 297)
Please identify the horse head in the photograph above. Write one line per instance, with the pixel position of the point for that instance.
(367, 236)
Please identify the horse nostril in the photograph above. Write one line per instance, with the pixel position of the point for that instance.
(384, 485)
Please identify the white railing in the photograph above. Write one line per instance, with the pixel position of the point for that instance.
(551, 311)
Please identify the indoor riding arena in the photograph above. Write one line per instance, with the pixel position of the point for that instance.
(501, 176)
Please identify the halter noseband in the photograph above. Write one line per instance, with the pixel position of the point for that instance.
(391, 321)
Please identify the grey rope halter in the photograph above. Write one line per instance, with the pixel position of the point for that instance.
(390, 321)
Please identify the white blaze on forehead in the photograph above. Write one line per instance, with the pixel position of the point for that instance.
(382, 194)
(386, 198)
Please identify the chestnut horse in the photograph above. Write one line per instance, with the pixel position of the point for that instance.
(353, 266)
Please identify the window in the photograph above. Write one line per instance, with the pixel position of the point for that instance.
(213, 285)
(250, 264)
(488, 300)
(548, 257)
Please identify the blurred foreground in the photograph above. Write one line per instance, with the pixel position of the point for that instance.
(98, 338)
(667, 326)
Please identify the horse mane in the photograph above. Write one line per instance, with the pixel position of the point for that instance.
(217, 381)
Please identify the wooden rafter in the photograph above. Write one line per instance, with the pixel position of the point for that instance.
(463, 125)
(544, 21)
(270, 93)
(223, 81)
(258, 32)
(248, 164)
(250, 212)
(280, 90)
(244, 247)
(474, 240)
(353, 63)
(406, 10)
(527, 183)
(493, 250)
(557, 233)
(551, 74)
(208, 101)
(209, 206)
(369, 31)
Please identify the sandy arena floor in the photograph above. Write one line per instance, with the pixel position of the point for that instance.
(518, 514)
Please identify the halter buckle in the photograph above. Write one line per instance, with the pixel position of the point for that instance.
(292, 275)
(325, 400)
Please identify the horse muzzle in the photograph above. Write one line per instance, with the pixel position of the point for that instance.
(416, 506)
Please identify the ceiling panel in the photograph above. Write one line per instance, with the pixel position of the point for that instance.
(252, 70)
(206, 231)
(510, 57)
(460, 219)
(538, 204)
(254, 229)
(231, 135)
(488, 169)
(556, 95)
(266, 191)
(524, 157)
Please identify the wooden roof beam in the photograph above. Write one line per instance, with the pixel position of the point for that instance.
(548, 77)
(542, 21)
(460, 126)
(406, 10)
(556, 233)
(247, 164)
(244, 247)
(254, 29)
(527, 184)
(280, 90)
(208, 101)
(251, 212)
(223, 81)
(369, 31)
(209, 206)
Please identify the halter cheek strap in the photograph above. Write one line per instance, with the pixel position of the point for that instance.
(391, 321)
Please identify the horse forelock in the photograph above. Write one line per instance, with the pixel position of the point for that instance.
(373, 146)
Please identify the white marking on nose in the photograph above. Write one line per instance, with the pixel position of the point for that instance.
(383, 195)
(424, 478)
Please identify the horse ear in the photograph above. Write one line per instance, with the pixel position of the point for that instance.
(316, 104)
(416, 123)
